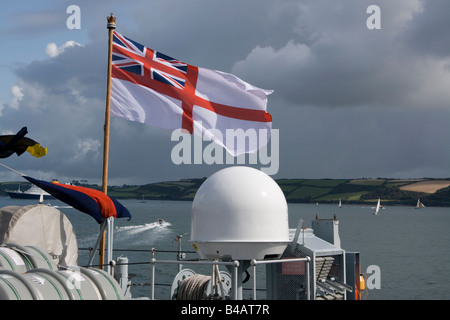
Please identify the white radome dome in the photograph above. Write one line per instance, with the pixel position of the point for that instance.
(239, 213)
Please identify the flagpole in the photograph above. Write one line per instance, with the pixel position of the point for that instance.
(111, 26)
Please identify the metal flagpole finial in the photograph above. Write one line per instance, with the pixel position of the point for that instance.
(111, 22)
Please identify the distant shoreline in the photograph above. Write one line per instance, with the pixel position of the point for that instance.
(406, 192)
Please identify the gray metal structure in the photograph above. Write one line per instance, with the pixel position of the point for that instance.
(325, 278)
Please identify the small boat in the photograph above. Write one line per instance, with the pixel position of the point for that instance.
(340, 203)
(160, 220)
(33, 192)
(419, 204)
(377, 208)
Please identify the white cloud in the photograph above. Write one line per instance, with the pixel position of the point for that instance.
(86, 146)
(52, 50)
(17, 96)
(291, 54)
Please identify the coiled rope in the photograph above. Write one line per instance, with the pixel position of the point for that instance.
(193, 287)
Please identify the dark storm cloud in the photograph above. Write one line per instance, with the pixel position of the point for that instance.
(364, 142)
(428, 32)
(79, 72)
(347, 64)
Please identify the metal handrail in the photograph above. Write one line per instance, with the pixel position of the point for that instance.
(154, 261)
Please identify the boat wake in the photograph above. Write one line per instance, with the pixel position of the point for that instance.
(133, 235)
(141, 234)
(142, 228)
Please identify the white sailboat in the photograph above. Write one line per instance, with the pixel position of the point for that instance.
(340, 203)
(377, 208)
(419, 204)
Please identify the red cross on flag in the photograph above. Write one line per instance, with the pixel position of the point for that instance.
(152, 88)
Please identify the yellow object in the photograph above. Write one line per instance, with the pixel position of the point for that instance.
(362, 283)
(37, 151)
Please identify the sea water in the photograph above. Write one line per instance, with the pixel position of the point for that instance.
(409, 246)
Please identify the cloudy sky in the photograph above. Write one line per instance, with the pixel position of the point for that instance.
(349, 101)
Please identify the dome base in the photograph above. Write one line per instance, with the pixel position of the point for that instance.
(240, 250)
